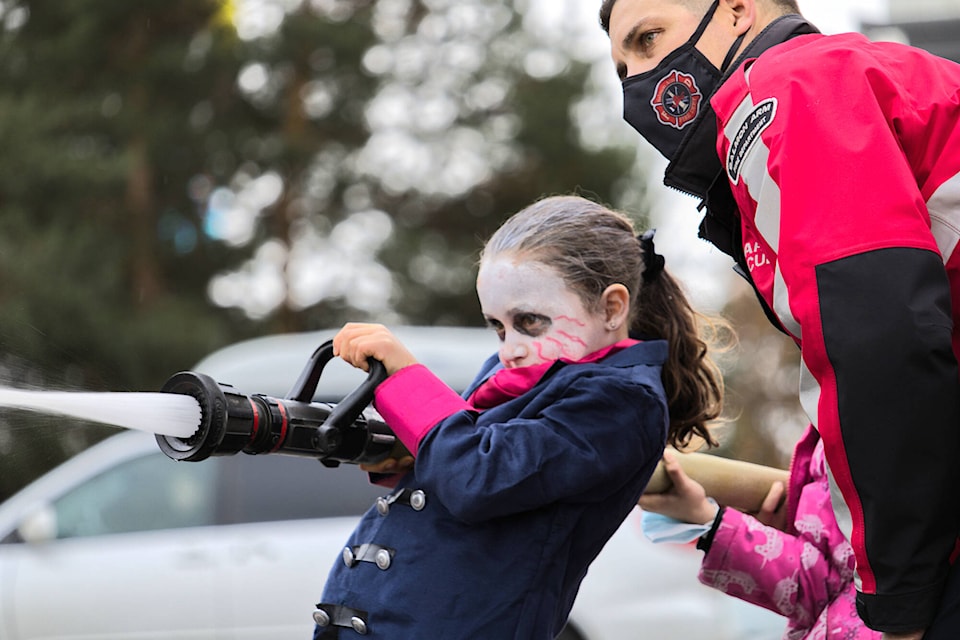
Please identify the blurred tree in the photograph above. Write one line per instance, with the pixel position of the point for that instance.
(107, 108)
(415, 147)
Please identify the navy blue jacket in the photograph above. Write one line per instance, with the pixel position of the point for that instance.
(513, 504)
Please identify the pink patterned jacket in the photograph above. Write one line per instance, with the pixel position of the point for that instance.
(805, 573)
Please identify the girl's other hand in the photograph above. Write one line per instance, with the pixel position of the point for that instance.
(400, 460)
(356, 342)
(686, 500)
(389, 465)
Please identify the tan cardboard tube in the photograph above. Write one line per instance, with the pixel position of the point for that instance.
(732, 483)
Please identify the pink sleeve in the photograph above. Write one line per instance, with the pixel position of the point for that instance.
(767, 567)
(413, 400)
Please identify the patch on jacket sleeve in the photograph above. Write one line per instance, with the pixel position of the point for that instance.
(747, 136)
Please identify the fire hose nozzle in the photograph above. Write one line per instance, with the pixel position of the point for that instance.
(256, 424)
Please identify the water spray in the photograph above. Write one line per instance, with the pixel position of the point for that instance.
(231, 422)
(151, 412)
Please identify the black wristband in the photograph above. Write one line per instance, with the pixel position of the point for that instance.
(706, 540)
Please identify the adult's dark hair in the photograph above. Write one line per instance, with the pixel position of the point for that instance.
(593, 247)
(783, 6)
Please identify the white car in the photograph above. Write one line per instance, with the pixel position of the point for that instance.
(121, 542)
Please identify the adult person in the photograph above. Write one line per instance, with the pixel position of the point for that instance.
(828, 168)
(517, 486)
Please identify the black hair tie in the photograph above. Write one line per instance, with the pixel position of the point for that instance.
(653, 262)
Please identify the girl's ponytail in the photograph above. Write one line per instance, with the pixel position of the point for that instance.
(692, 380)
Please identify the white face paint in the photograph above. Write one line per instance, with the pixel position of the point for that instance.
(538, 318)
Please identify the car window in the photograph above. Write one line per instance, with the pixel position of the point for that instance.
(281, 487)
(141, 494)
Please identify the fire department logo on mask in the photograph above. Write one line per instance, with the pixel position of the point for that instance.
(676, 99)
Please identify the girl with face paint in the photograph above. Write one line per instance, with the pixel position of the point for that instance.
(511, 490)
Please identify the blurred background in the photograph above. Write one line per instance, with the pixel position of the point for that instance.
(178, 175)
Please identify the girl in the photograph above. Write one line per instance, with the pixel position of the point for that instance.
(516, 486)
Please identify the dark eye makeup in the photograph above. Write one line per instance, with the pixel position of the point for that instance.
(523, 322)
(531, 324)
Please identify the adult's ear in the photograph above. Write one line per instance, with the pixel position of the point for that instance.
(733, 21)
(740, 15)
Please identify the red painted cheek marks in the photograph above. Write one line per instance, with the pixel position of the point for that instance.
(560, 350)
(572, 338)
(542, 355)
(569, 343)
(572, 320)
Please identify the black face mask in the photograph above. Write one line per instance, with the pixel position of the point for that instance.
(661, 104)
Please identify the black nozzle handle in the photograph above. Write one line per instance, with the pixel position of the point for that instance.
(306, 385)
(345, 412)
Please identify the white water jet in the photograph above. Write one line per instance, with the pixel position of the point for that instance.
(168, 414)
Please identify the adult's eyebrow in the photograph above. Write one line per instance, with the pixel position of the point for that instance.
(632, 34)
